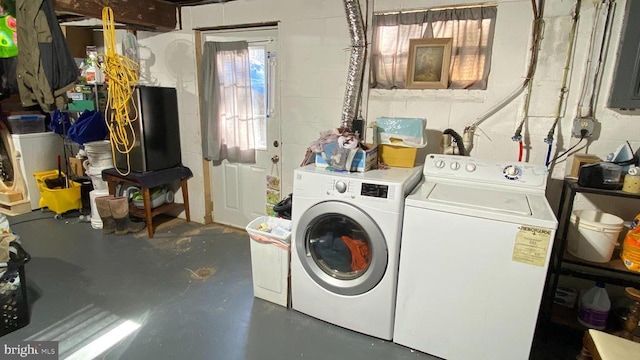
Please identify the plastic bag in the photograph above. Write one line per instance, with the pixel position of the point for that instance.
(4, 225)
(89, 127)
(406, 132)
(283, 208)
(60, 122)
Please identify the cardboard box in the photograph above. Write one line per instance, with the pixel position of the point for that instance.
(75, 166)
(78, 38)
(567, 297)
(579, 160)
(398, 156)
(362, 161)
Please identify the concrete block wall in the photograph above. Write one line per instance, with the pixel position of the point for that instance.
(313, 60)
(457, 108)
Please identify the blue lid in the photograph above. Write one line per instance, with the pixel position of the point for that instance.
(600, 284)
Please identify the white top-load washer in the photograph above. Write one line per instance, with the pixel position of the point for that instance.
(476, 245)
(346, 230)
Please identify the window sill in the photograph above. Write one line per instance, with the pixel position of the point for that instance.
(458, 95)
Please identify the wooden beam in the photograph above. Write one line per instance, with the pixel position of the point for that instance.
(147, 13)
(206, 164)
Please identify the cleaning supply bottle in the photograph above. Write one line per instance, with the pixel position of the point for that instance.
(594, 307)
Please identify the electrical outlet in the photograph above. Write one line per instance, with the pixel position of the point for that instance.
(583, 123)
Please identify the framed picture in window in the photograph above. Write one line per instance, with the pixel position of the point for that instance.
(428, 64)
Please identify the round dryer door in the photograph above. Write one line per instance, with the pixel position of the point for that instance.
(341, 248)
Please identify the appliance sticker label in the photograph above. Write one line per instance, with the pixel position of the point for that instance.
(531, 245)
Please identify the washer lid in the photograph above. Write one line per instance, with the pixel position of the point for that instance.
(482, 199)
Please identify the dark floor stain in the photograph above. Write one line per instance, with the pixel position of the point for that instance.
(202, 273)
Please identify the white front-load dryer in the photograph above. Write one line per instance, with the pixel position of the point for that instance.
(346, 243)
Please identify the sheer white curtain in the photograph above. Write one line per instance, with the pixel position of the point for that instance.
(472, 32)
(227, 110)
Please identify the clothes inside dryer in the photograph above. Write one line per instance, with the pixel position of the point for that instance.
(339, 246)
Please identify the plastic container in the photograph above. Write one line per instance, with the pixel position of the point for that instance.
(270, 243)
(631, 251)
(14, 307)
(594, 308)
(95, 174)
(631, 184)
(159, 195)
(398, 156)
(593, 235)
(99, 151)
(58, 200)
(96, 221)
(26, 124)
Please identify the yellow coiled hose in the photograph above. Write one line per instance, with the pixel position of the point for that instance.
(122, 74)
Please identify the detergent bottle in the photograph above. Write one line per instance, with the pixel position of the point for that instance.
(594, 307)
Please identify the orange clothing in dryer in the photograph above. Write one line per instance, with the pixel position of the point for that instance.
(359, 253)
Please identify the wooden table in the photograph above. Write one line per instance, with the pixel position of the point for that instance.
(149, 180)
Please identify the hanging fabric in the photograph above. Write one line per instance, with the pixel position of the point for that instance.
(471, 30)
(227, 110)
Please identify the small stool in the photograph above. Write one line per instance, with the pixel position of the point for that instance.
(150, 180)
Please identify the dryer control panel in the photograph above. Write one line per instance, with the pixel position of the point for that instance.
(375, 190)
(354, 189)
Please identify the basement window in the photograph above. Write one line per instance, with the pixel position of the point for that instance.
(470, 28)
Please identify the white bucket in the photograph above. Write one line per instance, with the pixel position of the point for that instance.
(98, 153)
(101, 162)
(99, 146)
(96, 222)
(95, 174)
(593, 235)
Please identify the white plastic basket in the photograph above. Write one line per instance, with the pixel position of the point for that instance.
(278, 231)
(270, 258)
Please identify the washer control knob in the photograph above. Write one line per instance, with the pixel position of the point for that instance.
(471, 167)
(455, 165)
(341, 186)
(440, 164)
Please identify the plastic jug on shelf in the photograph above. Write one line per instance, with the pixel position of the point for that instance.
(594, 307)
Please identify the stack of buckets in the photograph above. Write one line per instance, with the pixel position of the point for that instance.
(593, 235)
(98, 158)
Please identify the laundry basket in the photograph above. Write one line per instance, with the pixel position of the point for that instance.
(270, 244)
(13, 291)
(58, 200)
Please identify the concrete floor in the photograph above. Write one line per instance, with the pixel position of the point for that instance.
(83, 285)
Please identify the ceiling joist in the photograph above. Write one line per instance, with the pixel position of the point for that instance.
(153, 14)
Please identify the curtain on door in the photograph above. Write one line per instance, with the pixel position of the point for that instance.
(470, 28)
(227, 111)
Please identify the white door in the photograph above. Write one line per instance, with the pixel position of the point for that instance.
(240, 192)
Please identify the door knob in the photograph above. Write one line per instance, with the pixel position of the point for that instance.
(275, 159)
